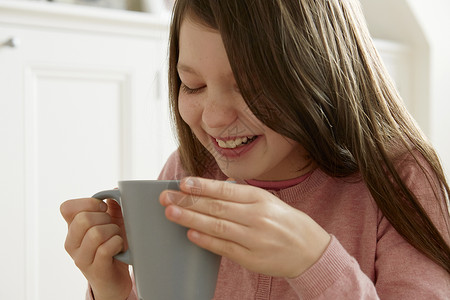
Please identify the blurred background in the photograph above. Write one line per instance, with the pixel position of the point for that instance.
(83, 104)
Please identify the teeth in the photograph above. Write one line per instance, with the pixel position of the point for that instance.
(231, 144)
(221, 143)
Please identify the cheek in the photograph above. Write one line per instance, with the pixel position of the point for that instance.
(189, 110)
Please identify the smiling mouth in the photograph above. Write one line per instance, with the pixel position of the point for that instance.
(236, 142)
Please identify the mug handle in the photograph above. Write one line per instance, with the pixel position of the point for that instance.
(115, 195)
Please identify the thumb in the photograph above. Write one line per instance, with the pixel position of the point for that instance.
(114, 209)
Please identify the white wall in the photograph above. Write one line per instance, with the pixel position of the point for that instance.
(423, 26)
(433, 17)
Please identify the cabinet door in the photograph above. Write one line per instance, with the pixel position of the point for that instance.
(79, 111)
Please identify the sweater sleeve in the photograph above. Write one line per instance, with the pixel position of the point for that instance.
(132, 296)
(402, 272)
(336, 275)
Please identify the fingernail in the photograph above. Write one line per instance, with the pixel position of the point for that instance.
(103, 206)
(170, 198)
(175, 198)
(189, 182)
(176, 211)
(194, 234)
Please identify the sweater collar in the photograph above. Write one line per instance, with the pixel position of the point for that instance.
(291, 194)
(278, 185)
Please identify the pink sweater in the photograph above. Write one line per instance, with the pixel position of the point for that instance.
(366, 258)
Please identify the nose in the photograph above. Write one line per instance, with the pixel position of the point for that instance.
(219, 110)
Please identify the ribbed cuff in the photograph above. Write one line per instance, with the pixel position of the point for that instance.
(324, 273)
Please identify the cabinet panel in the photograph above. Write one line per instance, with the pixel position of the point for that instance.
(74, 136)
(80, 110)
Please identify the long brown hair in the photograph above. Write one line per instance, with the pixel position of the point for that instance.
(313, 66)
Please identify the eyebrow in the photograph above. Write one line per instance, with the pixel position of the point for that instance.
(186, 68)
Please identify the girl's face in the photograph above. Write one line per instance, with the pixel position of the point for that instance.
(211, 104)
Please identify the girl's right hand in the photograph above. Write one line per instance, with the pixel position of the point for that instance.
(96, 233)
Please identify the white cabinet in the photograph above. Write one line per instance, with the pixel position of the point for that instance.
(83, 104)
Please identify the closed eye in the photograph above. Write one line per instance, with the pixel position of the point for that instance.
(189, 90)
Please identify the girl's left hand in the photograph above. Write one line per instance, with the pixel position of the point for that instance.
(247, 225)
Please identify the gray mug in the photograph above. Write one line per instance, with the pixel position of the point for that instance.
(166, 265)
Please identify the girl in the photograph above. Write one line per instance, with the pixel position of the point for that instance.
(339, 195)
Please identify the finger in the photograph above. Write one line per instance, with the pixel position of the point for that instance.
(220, 228)
(70, 208)
(228, 210)
(114, 209)
(219, 189)
(226, 248)
(105, 252)
(169, 197)
(93, 239)
(81, 223)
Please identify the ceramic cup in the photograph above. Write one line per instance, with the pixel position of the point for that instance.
(166, 264)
